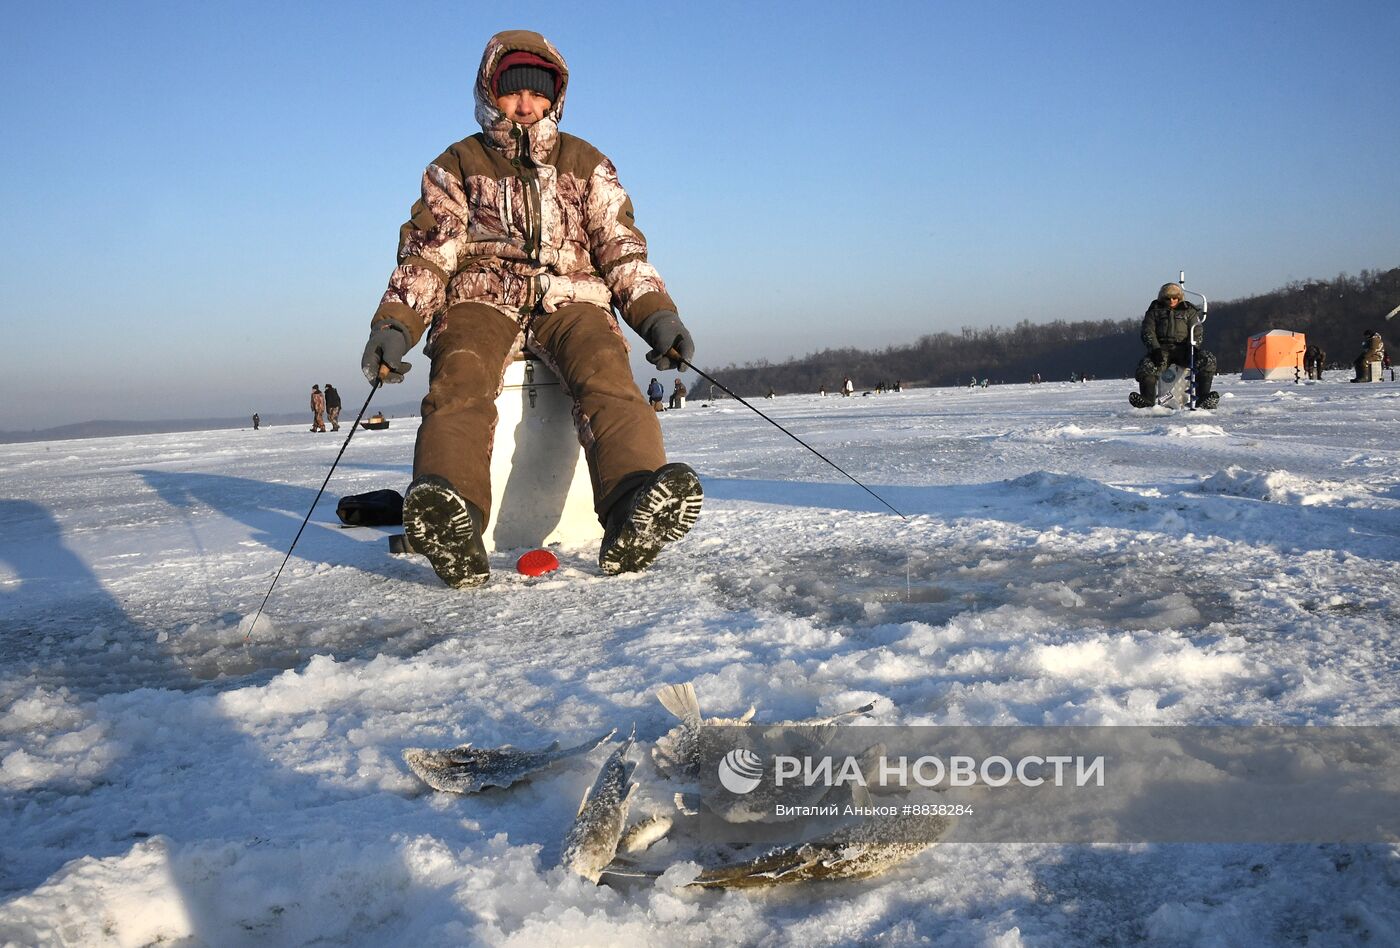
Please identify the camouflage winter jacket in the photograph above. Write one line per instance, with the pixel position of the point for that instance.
(1164, 326)
(520, 218)
(1373, 349)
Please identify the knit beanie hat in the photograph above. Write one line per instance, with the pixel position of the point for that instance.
(522, 70)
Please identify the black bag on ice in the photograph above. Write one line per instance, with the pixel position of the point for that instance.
(378, 508)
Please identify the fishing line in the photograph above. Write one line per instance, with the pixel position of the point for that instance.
(373, 387)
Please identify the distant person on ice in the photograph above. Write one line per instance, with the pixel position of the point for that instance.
(847, 387)
(655, 392)
(1313, 360)
(524, 236)
(318, 409)
(678, 393)
(1166, 332)
(1372, 350)
(332, 406)
(256, 421)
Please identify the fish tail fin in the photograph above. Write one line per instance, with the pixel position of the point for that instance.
(680, 700)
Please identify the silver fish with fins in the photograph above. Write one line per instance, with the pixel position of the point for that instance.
(593, 839)
(640, 835)
(856, 851)
(690, 754)
(467, 769)
(691, 750)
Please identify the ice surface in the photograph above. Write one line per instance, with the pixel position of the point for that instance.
(1067, 560)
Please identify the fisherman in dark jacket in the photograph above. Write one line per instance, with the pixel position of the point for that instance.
(1313, 361)
(1167, 329)
(332, 406)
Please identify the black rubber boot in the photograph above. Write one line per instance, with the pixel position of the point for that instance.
(1205, 398)
(1145, 396)
(660, 511)
(445, 527)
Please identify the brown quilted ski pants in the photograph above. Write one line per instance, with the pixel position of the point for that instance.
(470, 351)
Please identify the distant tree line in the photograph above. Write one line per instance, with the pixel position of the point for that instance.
(1333, 314)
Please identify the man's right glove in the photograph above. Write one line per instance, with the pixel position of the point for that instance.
(664, 331)
(1159, 356)
(388, 343)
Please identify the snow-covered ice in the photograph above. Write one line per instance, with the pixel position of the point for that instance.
(1066, 560)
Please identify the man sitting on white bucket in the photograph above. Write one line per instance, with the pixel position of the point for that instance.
(524, 236)
(1368, 364)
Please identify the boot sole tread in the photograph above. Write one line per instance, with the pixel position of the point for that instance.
(664, 513)
(440, 527)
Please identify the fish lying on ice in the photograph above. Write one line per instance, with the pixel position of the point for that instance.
(592, 841)
(467, 769)
(640, 835)
(857, 851)
(690, 751)
(691, 754)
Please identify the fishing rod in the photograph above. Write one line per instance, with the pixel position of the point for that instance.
(373, 387)
(676, 356)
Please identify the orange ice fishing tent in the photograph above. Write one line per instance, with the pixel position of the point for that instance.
(1276, 354)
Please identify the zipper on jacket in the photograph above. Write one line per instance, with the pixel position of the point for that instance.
(534, 204)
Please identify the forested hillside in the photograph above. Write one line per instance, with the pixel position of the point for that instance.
(1333, 313)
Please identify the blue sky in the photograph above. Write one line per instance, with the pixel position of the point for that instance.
(199, 202)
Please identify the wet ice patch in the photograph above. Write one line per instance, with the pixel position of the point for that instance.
(1092, 579)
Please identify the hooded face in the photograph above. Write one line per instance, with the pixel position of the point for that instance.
(499, 115)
